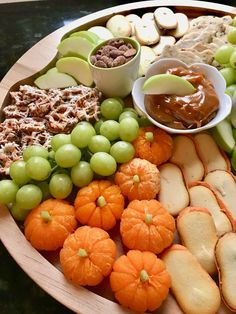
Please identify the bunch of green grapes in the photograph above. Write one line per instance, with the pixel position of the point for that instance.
(74, 159)
(226, 57)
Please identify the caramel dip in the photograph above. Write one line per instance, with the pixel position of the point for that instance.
(185, 112)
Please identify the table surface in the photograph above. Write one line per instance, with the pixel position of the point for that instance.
(22, 24)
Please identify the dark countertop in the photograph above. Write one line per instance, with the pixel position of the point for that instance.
(21, 26)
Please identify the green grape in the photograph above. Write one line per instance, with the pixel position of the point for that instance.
(81, 174)
(143, 122)
(44, 187)
(231, 36)
(51, 154)
(111, 108)
(18, 172)
(233, 60)
(8, 190)
(230, 90)
(35, 150)
(122, 151)
(120, 100)
(103, 164)
(223, 54)
(129, 129)
(97, 125)
(38, 168)
(60, 185)
(99, 143)
(234, 21)
(81, 134)
(86, 154)
(128, 114)
(29, 196)
(110, 129)
(67, 156)
(130, 109)
(18, 213)
(228, 74)
(59, 140)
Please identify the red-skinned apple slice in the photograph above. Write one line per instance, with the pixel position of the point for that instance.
(194, 289)
(225, 254)
(198, 233)
(186, 157)
(202, 194)
(210, 154)
(171, 181)
(224, 185)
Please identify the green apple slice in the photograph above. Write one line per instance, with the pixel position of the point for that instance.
(77, 46)
(233, 159)
(76, 67)
(92, 37)
(54, 79)
(168, 84)
(223, 136)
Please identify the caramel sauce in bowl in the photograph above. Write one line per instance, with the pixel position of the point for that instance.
(190, 113)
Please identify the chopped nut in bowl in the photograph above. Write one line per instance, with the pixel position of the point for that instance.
(114, 64)
(180, 98)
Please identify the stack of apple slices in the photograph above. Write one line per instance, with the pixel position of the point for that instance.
(72, 67)
(198, 188)
(225, 134)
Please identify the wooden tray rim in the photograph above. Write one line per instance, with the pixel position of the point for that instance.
(47, 276)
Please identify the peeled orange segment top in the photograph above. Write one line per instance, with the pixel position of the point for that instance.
(167, 84)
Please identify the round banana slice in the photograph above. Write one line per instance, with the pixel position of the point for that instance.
(165, 18)
(133, 19)
(119, 26)
(146, 58)
(164, 40)
(146, 33)
(182, 25)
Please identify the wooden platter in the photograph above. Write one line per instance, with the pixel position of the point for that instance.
(35, 60)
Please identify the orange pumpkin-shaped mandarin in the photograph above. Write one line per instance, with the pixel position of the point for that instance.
(138, 179)
(147, 226)
(99, 204)
(87, 256)
(140, 281)
(49, 224)
(154, 145)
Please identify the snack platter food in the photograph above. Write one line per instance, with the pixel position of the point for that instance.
(45, 268)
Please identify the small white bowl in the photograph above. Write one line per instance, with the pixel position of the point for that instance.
(117, 81)
(210, 72)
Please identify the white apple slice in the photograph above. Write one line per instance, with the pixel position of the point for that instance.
(102, 32)
(77, 46)
(225, 186)
(167, 84)
(171, 181)
(185, 156)
(223, 135)
(76, 67)
(225, 253)
(198, 233)
(54, 79)
(202, 195)
(194, 289)
(210, 154)
(87, 35)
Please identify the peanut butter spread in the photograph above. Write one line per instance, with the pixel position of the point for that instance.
(185, 112)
